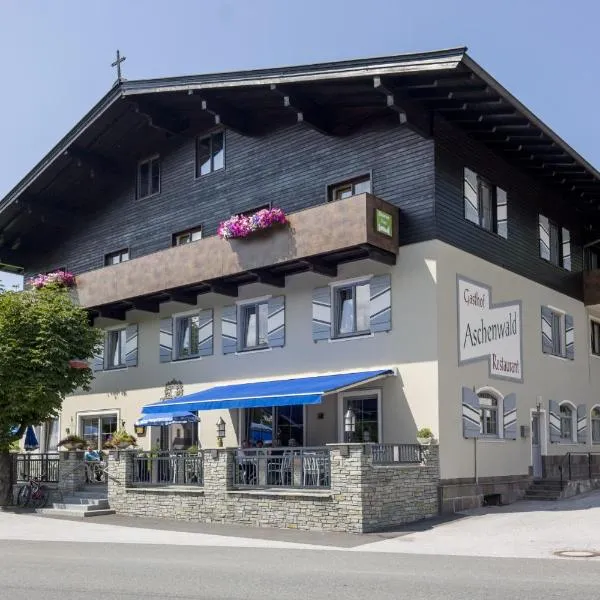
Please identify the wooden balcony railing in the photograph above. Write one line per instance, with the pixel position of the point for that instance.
(327, 234)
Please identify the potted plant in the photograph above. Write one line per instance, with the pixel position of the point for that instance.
(242, 226)
(121, 439)
(72, 442)
(424, 436)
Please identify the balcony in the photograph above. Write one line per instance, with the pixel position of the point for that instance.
(318, 239)
(591, 287)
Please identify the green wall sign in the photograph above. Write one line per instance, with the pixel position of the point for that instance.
(383, 222)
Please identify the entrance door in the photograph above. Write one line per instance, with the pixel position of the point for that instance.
(536, 446)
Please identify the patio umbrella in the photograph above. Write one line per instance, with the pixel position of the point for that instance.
(31, 441)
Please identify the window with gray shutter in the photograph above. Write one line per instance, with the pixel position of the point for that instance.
(131, 346)
(569, 338)
(510, 416)
(555, 242)
(321, 313)
(166, 340)
(229, 329)
(582, 426)
(205, 332)
(98, 360)
(485, 204)
(547, 334)
(471, 416)
(276, 322)
(554, 421)
(381, 303)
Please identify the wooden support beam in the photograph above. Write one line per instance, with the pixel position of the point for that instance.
(227, 116)
(383, 88)
(152, 306)
(316, 265)
(382, 256)
(269, 278)
(161, 118)
(305, 110)
(117, 314)
(183, 298)
(225, 289)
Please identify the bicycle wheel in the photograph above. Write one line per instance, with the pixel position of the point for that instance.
(40, 497)
(24, 495)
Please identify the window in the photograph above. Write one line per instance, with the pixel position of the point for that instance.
(254, 325)
(558, 333)
(187, 331)
(485, 205)
(115, 348)
(185, 237)
(253, 211)
(352, 187)
(366, 409)
(596, 425)
(148, 177)
(210, 153)
(592, 259)
(352, 310)
(555, 243)
(566, 423)
(274, 425)
(114, 258)
(97, 430)
(488, 409)
(595, 342)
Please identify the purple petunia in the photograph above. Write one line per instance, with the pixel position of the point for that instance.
(239, 226)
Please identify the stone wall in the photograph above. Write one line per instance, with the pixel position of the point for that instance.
(362, 497)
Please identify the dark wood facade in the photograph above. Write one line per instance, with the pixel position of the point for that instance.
(412, 123)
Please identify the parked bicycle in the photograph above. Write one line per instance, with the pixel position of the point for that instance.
(33, 494)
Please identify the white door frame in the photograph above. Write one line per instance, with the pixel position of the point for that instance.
(543, 432)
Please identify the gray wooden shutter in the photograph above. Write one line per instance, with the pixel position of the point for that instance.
(547, 344)
(471, 195)
(166, 340)
(554, 420)
(510, 416)
(98, 360)
(321, 317)
(229, 329)
(131, 346)
(276, 322)
(206, 332)
(582, 427)
(471, 418)
(381, 303)
(566, 249)
(569, 337)
(501, 213)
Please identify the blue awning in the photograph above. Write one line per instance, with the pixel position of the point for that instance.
(283, 392)
(166, 419)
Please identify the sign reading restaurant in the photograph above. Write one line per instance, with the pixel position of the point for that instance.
(489, 331)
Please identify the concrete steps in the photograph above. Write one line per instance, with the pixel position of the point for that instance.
(544, 490)
(87, 503)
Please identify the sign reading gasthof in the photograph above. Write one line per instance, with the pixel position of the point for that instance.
(488, 331)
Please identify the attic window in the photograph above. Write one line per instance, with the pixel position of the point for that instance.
(148, 177)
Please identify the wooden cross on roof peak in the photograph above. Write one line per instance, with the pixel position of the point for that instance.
(117, 64)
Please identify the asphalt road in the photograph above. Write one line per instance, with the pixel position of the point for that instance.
(72, 571)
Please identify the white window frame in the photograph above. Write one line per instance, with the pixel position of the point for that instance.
(335, 288)
(149, 159)
(592, 419)
(240, 307)
(90, 414)
(174, 349)
(119, 253)
(107, 332)
(500, 413)
(561, 314)
(210, 135)
(573, 438)
(194, 231)
(351, 183)
(378, 392)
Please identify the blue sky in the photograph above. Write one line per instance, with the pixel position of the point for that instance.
(56, 54)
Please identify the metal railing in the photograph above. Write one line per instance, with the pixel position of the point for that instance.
(282, 468)
(388, 454)
(168, 468)
(579, 465)
(36, 466)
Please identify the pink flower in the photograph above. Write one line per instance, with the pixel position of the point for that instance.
(241, 226)
(60, 278)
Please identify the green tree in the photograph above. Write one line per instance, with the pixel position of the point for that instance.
(41, 330)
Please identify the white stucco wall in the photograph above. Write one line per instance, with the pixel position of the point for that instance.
(409, 400)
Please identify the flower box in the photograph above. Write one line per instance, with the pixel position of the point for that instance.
(242, 226)
(59, 278)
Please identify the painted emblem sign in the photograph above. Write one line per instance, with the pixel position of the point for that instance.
(488, 331)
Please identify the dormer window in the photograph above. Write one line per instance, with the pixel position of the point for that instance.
(148, 177)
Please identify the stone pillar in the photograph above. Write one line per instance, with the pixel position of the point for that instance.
(347, 473)
(218, 470)
(120, 474)
(71, 477)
